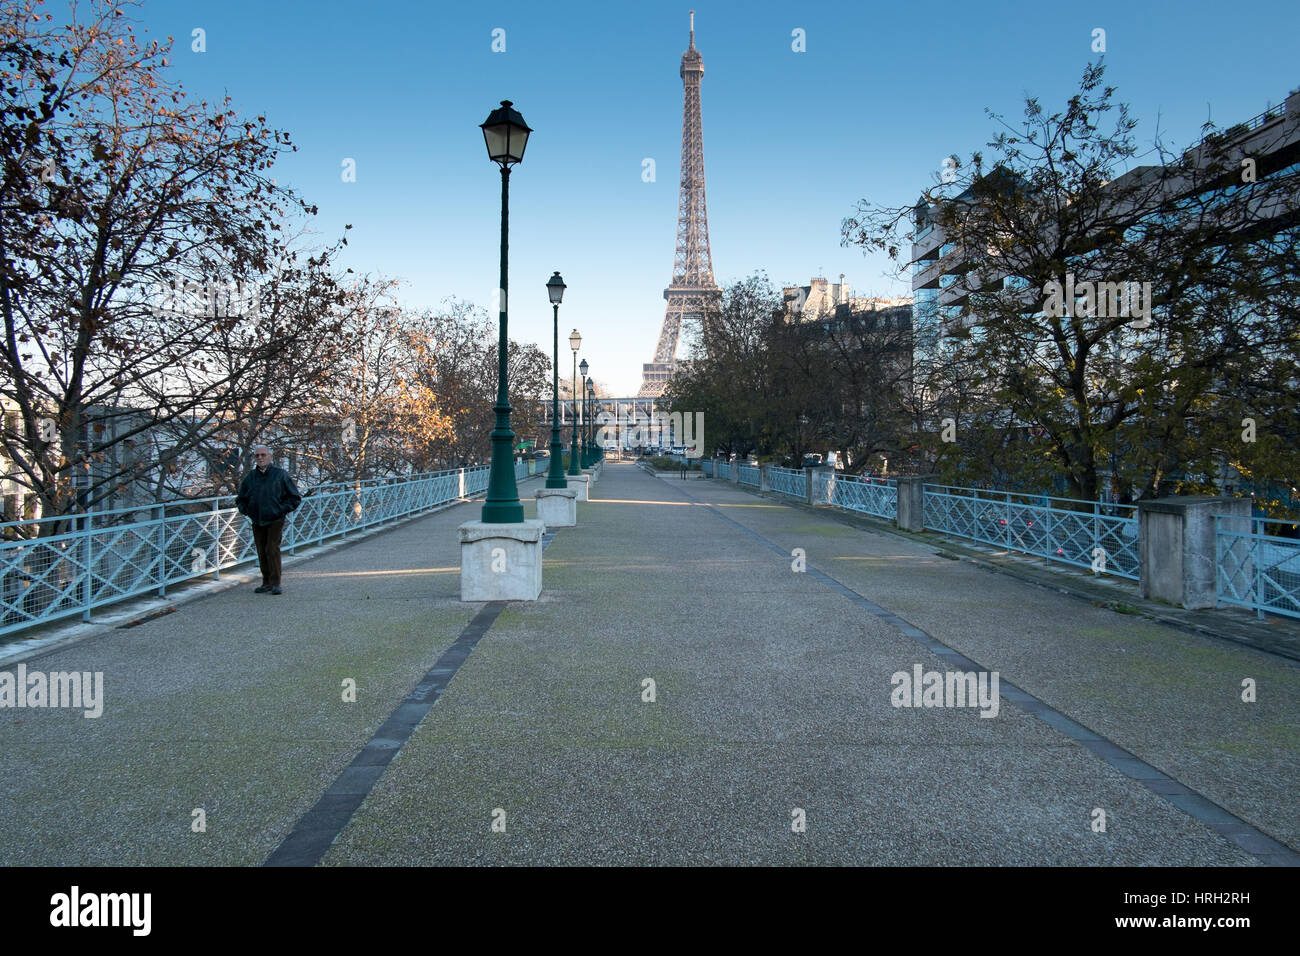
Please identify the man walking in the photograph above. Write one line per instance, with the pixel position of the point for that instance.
(266, 495)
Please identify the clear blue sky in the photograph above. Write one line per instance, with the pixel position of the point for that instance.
(792, 140)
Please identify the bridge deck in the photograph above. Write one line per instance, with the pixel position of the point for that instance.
(773, 692)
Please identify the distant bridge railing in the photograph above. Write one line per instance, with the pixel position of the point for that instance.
(789, 481)
(873, 496)
(44, 579)
(706, 467)
(1086, 534)
(1256, 570)
(1253, 570)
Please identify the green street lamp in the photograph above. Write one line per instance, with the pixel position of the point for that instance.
(591, 428)
(582, 397)
(506, 135)
(555, 474)
(586, 422)
(575, 342)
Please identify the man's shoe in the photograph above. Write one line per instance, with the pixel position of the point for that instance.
(276, 591)
(262, 590)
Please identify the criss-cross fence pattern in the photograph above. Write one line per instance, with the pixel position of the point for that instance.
(706, 467)
(1086, 534)
(872, 496)
(788, 481)
(42, 579)
(1256, 570)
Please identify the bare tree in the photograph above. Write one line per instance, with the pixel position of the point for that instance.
(1115, 320)
(134, 230)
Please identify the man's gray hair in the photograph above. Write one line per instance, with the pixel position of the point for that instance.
(267, 447)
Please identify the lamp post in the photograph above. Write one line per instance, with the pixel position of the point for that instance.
(581, 397)
(555, 474)
(591, 428)
(575, 342)
(506, 135)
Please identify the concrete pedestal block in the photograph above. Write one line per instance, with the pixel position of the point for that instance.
(911, 501)
(501, 562)
(1178, 560)
(764, 477)
(557, 507)
(578, 483)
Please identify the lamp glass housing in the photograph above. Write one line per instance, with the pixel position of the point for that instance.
(555, 289)
(506, 135)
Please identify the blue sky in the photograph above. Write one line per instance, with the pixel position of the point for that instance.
(792, 140)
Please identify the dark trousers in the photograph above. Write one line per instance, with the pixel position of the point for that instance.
(267, 539)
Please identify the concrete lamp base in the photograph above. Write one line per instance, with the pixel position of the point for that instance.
(578, 483)
(501, 562)
(557, 507)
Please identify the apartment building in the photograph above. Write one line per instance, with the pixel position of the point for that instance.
(820, 298)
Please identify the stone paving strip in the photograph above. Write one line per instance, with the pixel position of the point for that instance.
(772, 708)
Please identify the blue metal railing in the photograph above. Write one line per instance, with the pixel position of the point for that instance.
(873, 496)
(788, 481)
(1256, 570)
(1086, 534)
(44, 579)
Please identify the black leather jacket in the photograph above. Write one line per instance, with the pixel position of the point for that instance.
(266, 497)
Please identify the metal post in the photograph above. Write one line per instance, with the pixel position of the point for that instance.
(216, 546)
(502, 505)
(1006, 518)
(162, 550)
(1256, 552)
(86, 556)
(574, 468)
(1096, 535)
(555, 473)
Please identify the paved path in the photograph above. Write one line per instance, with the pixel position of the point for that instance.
(772, 694)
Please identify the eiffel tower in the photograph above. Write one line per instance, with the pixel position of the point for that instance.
(692, 293)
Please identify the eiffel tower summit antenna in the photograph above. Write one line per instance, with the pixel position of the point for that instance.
(692, 293)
